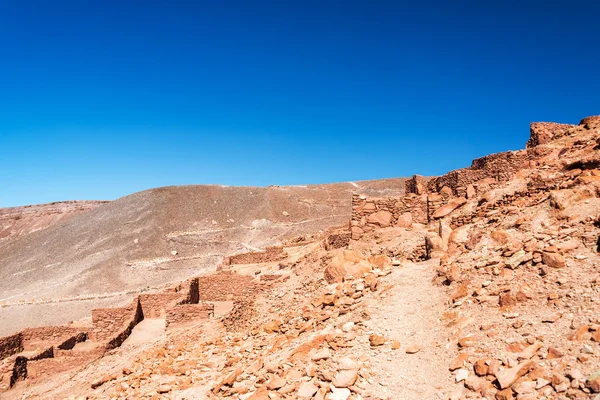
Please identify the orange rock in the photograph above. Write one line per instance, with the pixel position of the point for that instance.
(581, 334)
(460, 361)
(506, 377)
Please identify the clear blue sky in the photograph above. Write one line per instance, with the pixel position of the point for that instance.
(101, 99)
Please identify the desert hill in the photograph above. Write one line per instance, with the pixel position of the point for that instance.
(20, 221)
(148, 239)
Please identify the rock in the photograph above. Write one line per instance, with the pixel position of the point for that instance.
(506, 377)
(516, 259)
(101, 381)
(471, 193)
(593, 382)
(553, 260)
(395, 344)
(339, 393)
(322, 354)
(163, 389)
(382, 218)
(346, 263)
(276, 383)
(529, 351)
(307, 390)
(413, 349)
(462, 374)
(348, 363)
(505, 394)
(480, 367)
(448, 208)
(345, 378)
(404, 220)
(459, 362)
(376, 340)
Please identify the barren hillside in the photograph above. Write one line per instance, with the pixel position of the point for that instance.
(150, 239)
(20, 221)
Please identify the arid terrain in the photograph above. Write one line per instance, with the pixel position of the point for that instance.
(481, 283)
(148, 240)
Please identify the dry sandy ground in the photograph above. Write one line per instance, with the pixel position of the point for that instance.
(410, 312)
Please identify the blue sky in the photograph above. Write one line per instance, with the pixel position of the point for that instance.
(102, 99)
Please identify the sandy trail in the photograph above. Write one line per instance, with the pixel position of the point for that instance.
(410, 313)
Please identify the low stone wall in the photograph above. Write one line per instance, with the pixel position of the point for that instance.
(155, 305)
(499, 167)
(224, 286)
(108, 322)
(48, 334)
(274, 253)
(136, 317)
(10, 345)
(185, 313)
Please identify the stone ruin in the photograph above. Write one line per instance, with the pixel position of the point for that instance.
(423, 195)
(42, 351)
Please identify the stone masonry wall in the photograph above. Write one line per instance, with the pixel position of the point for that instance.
(274, 253)
(185, 313)
(10, 345)
(371, 213)
(48, 334)
(108, 322)
(154, 305)
(136, 315)
(500, 167)
(224, 286)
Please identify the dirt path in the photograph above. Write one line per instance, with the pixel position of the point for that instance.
(410, 312)
(148, 330)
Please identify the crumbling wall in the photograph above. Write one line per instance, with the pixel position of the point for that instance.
(185, 313)
(121, 336)
(500, 167)
(544, 132)
(274, 253)
(154, 305)
(224, 286)
(108, 322)
(48, 334)
(10, 345)
(416, 185)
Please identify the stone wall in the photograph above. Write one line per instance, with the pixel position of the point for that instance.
(108, 322)
(48, 334)
(136, 316)
(224, 286)
(154, 305)
(274, 253)
(416, 185)
(499, 167)
(10, 345)
(372, 213)
(185, 313)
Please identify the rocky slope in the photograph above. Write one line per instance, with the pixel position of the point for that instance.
(20, 221)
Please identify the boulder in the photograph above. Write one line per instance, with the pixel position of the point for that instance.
(346, 263)
(381, 218)
(553, 260)
(448, 208)
(404, 220)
